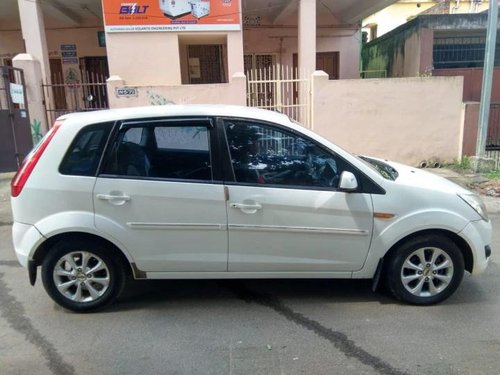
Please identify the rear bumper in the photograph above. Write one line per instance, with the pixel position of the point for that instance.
(478, 236)
(26, 240)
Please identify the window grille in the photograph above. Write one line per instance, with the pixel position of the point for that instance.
(461, 52)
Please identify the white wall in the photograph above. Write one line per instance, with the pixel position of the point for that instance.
(402, 119)
(233, 92)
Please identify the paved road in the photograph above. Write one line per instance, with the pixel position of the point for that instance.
(248, 327)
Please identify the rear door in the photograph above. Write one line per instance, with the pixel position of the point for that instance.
(157, 194)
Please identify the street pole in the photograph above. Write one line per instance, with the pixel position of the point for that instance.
(489, 61)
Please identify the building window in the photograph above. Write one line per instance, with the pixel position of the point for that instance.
(461, 52)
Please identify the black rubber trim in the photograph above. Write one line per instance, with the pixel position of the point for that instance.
(487, 251)
(378, 273)
(32, 271)
(138, 274)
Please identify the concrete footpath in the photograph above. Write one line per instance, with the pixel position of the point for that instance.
(466, 180)
(5, 212)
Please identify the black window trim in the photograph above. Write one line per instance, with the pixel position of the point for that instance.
(366, 184)
(179, 121)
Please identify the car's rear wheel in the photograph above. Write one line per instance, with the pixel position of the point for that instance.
(425, 270)
(82, 276)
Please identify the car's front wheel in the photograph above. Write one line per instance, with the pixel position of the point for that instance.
(82, 276)
(425, 270)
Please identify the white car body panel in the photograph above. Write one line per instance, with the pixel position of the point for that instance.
(167, 226)
(478, 235)
(52, 203)
(26, 240)
(298, 230)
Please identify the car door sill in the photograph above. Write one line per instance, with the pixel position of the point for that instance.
(249, 275)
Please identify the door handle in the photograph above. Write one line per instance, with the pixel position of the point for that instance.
(113, 199)
(243, 206)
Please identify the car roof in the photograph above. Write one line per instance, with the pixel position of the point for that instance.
(210, 110)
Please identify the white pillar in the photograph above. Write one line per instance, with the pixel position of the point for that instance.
(307, 56)
(234, 54)
(307, 38)
(32, 78)
(33, 29)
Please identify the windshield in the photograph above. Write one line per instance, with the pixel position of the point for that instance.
(384, 169)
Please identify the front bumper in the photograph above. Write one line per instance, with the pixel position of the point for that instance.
(478, 236)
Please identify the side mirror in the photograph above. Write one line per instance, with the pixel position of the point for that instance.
(348, 182)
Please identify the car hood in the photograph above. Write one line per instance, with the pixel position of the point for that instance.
(411, 176)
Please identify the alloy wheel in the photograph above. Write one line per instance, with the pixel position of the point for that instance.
(427, 272)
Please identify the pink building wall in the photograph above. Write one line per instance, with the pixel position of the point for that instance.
(283, 43)
(473, 78)
(402, 119)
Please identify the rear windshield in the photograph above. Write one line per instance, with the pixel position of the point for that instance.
(84, 154)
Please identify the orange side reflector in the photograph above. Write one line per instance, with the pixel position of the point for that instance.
(383, 215)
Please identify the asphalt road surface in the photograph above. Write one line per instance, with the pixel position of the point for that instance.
(248, 327)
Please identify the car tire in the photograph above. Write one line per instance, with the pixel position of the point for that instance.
(82, 276)
(425, 270)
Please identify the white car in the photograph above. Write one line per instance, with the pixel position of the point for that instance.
(221, 192)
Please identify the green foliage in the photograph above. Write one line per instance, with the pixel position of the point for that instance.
(463, 164)
(36, 133)
(494, 175)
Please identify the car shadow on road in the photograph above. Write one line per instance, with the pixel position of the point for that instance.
(156, 293)
(141, 294)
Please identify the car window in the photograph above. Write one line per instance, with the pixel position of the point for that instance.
(84, 153)
(133, 135)
(182, 138)
(170, 152)
(261, 154)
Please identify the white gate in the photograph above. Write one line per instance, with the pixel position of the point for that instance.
(279, 88)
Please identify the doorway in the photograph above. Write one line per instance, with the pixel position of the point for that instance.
(325, 61)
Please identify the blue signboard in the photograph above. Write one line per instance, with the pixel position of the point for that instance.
(68, 47)
(70, 60)
(68, 53)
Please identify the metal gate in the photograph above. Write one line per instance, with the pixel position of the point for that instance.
(76, 91)
(279, 88)
(15, 132)
(493, 137)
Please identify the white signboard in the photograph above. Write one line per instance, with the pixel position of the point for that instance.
(17, 93)
(126, 92)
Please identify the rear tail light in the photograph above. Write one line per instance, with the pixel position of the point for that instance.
(29, 163)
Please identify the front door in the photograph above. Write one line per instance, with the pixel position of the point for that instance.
(285, 213)
(157, 196)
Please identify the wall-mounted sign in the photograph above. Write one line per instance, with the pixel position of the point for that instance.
(17, 93)
(126, 92)
(70, 60)
(171, 15)
(68, 53)
(68, 47)
(194, 67)
(101, 38)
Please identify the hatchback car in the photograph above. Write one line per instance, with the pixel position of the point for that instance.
(221, 192)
